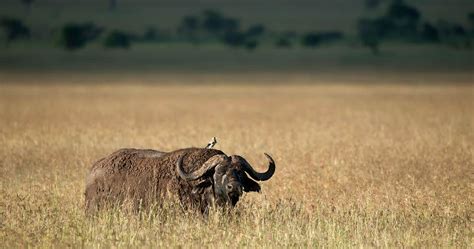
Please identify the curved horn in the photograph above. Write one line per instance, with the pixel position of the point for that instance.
(256, 175)
(209, 164)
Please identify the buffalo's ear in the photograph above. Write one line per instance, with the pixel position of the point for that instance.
(250, 185)
(201, 186)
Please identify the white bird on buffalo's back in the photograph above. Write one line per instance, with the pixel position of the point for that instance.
(211, 143)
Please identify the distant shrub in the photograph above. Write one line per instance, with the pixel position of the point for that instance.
(214, 22)
(112, 5)
(400, 21)
(14, 29)
(311, 40)
(449, 29)
(152, 34)
(314, 39)
(256, 30)
(286, 39)
(470, 18)
(370, 33)
(214, 26)
(402, 12)
(27, 4)
(372, 4)
(118, 39)
(453, 34)
(189, 28)
(75, 36)
(283, 42)
(240, 39)
(331, 36)
(234, 38)
(429, 33)
(383, 27)
(405, 19)
(251, 44)
(189, 24)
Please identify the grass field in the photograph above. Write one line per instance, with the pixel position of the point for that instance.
(364, 165)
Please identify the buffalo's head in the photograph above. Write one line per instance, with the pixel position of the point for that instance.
(227, 176)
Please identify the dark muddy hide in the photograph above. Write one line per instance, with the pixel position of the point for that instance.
(198, 178)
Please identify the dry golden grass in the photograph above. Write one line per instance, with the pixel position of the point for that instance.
(357, 165)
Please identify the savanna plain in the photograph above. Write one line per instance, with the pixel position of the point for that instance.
(358, 165)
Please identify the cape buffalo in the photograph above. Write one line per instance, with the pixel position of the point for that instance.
(198, 177)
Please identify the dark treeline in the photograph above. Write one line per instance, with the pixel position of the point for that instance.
(400, 22)
(14, 29)
(403, 22)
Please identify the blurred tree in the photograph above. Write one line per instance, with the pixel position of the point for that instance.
(372, 4)
(404, 17)
(453, 34)
(311, 40)
(231, 24)
(429, 33)
(189, 28)
(189, 24)
(369, 33)
(240, 39)
(14, 29)
(314, 39)
(400, 21)
(286, 39)
(28, 4)
(283, 42)
(331, 36)
(112, 5)
(398, 9)
(383, 27)
(256, 30)
(152, 34)
(75, 36)
(117, 39)
(234, 38)
(216, 23)
(213, 21)
(251, 44)
(470, 18)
